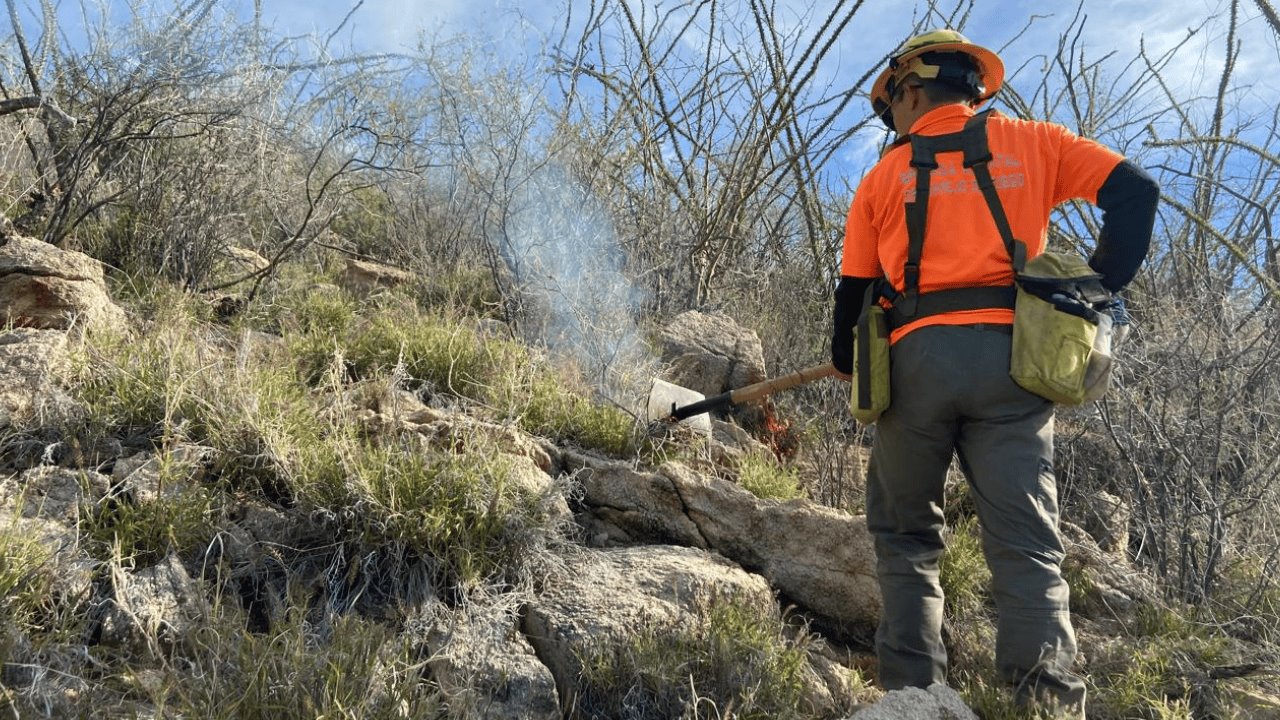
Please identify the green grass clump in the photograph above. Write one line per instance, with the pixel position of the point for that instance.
(446, 357)
(471, 289)
(464, 512)
(730, 661)
(353, 668)
(24, 589)
(1150, 676)
(148, 385)
(993, 701)
(963, 571)
(542, 405)
(765, 477)
(183, 521)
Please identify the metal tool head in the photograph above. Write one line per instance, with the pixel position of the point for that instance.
(665, 397)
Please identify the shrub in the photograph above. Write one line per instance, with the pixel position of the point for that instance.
(765, 477)
(351, 668)
(184, 521)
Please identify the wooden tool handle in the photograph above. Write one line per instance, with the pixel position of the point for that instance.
(767, 387)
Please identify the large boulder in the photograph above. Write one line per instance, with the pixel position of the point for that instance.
(610, 594)
(818, 557)
(363, 278)
(46, 287)
(709, 353)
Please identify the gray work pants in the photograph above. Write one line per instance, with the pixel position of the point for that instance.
(951, 393)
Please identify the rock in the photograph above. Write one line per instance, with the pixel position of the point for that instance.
(31, 364)
(525, 474)
(250, 543)
(266, 524)
(364, 278)
(1249, 703)
(711, 354)
(939, 702)
(405, 406)
(487, 669)
(610, 594)
(148, 477)
(716, 354)
(151, 607)
(820, 558)
(45, 287)
(628, 506)
(732, 441)
(1104, 585)
(54, 493)
(245, 261)
(459, 433)
(64, 569)
(1106, 518)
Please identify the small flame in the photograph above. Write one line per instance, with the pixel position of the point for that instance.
(778, 435)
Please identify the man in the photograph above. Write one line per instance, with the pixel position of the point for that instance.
(951, 332)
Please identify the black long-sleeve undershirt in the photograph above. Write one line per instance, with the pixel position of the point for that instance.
(850, 295)
(1128, 202)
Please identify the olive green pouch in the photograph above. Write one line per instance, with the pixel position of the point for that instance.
(870, 395)
(1061, 345)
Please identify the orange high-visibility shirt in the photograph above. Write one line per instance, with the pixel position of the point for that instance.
(1035, 166)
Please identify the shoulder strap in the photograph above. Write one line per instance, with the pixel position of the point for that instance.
(977, 154)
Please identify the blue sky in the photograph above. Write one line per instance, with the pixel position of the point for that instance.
(1112, 25)
(515, 29)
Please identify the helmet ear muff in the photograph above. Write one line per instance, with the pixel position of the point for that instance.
(886, 117)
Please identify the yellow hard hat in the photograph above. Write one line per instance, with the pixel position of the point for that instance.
(907, 60)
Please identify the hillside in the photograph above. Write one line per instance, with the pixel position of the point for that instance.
(324, 369)
(345, 500)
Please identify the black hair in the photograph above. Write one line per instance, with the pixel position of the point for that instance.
(959, 78)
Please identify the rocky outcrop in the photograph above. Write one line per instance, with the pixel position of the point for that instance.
(820, 558)
(45, 287)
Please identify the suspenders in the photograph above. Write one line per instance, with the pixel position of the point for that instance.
(911, 304)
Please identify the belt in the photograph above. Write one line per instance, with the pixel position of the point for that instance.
(1002, 328)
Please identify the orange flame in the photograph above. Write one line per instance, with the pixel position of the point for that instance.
(778, 435)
